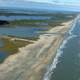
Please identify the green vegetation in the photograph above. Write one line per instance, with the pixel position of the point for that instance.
(11, 47)
(27, 22)
(20, 43)
(56, 19)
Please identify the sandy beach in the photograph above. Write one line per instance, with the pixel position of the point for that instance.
(31, 62)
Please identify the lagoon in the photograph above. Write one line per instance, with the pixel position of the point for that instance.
(22, 32)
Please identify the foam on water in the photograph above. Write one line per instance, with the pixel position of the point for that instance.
(74, 24)
(56, 59)
(59, 53)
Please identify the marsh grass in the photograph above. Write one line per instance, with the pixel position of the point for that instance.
(11, 47)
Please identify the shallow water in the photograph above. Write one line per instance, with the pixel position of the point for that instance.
(1, 43)
(3, 56)
(23, 32)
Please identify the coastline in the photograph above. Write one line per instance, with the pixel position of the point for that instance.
(31, 61)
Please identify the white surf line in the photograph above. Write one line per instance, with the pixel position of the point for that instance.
(74, 24)
(59, 53)
(56, 61)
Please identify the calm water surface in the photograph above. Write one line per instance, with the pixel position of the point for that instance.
(22, 31)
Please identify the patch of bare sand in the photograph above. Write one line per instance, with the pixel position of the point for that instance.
(30, 62)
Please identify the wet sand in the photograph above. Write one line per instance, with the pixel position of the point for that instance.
(31, 62)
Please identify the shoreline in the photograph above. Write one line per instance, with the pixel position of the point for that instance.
(32, 61)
